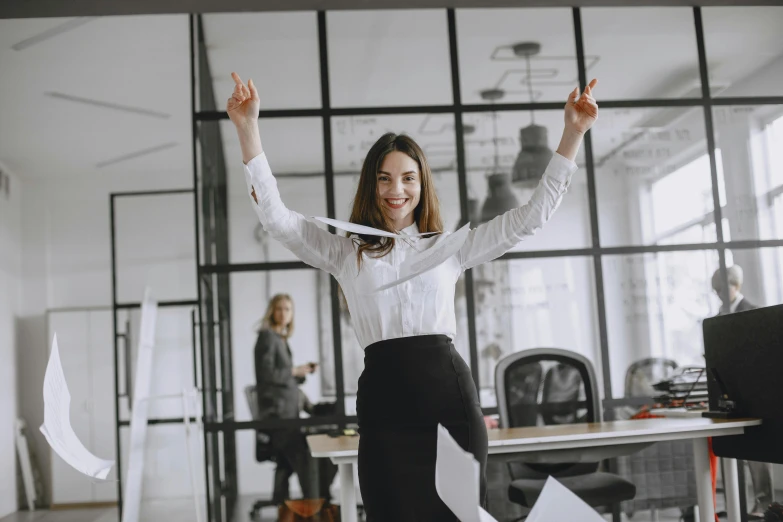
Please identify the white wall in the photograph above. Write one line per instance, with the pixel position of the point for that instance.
(66, 253)
(10, 266)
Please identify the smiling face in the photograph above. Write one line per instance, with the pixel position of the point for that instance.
(395, 190)
(399, 188)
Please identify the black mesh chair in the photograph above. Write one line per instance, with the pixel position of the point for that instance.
(263, 449)
(548, 386)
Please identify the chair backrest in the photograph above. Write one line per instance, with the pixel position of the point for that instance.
(641, 375)
(546, 386)
(252, 401)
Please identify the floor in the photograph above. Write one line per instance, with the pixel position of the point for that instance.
(183, 511)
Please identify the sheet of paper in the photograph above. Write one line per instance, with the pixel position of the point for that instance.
(457, 480)
(557, 502)
(457, 484)
(139, 414)
(438, 253)
(57, 422)
(368, 231)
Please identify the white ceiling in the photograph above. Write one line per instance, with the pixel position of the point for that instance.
(47, 8)
(138, 62)
(142, 62)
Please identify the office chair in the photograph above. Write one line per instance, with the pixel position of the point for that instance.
(264, 450)
(548, 386)
(664, 473)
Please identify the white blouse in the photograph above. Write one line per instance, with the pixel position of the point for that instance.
(423, 304)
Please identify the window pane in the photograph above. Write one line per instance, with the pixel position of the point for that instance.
(749, 138)
(744, 50)
(279, 51)
(523, 303)
(352, 137)
(294, 148)
(653, 178)
(388, 58)
(529, 53)
(250, 295)
(642, 52)
(762, 274)
(654, 307)
(495, 187)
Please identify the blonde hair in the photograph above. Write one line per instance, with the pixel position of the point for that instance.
(268, 321)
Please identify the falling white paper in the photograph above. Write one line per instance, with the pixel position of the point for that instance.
(134, 481)
(457, 484)
(365, 230)
(556, 502)
(439, 252)
(428, 259)
(457, 480)
(57, 422)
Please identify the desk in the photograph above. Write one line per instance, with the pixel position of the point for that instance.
(633, 434)
(730, 467)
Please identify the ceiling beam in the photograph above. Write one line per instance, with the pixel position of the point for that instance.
(60, 8)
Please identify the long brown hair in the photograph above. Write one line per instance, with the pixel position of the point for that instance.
(268, 321)
(367, 208)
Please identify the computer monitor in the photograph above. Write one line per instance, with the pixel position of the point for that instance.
(744, 360)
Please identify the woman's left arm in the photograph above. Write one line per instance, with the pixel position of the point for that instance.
(491, 240)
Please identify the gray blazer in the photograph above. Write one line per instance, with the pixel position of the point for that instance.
(277, 390)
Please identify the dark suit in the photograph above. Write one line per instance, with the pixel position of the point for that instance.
(760, 472)
(279, 396)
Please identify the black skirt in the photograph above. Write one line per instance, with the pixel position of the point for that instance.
(410, 385)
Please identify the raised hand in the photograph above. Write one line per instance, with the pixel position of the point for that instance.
(581, 111)
(244, 103)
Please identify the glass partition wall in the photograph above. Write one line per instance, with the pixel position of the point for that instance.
(691, 112)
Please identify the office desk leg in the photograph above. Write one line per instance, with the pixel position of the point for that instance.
(347, 493)
(732, 489)
(701, 456)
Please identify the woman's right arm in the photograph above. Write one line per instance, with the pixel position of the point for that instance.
(305, 239)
